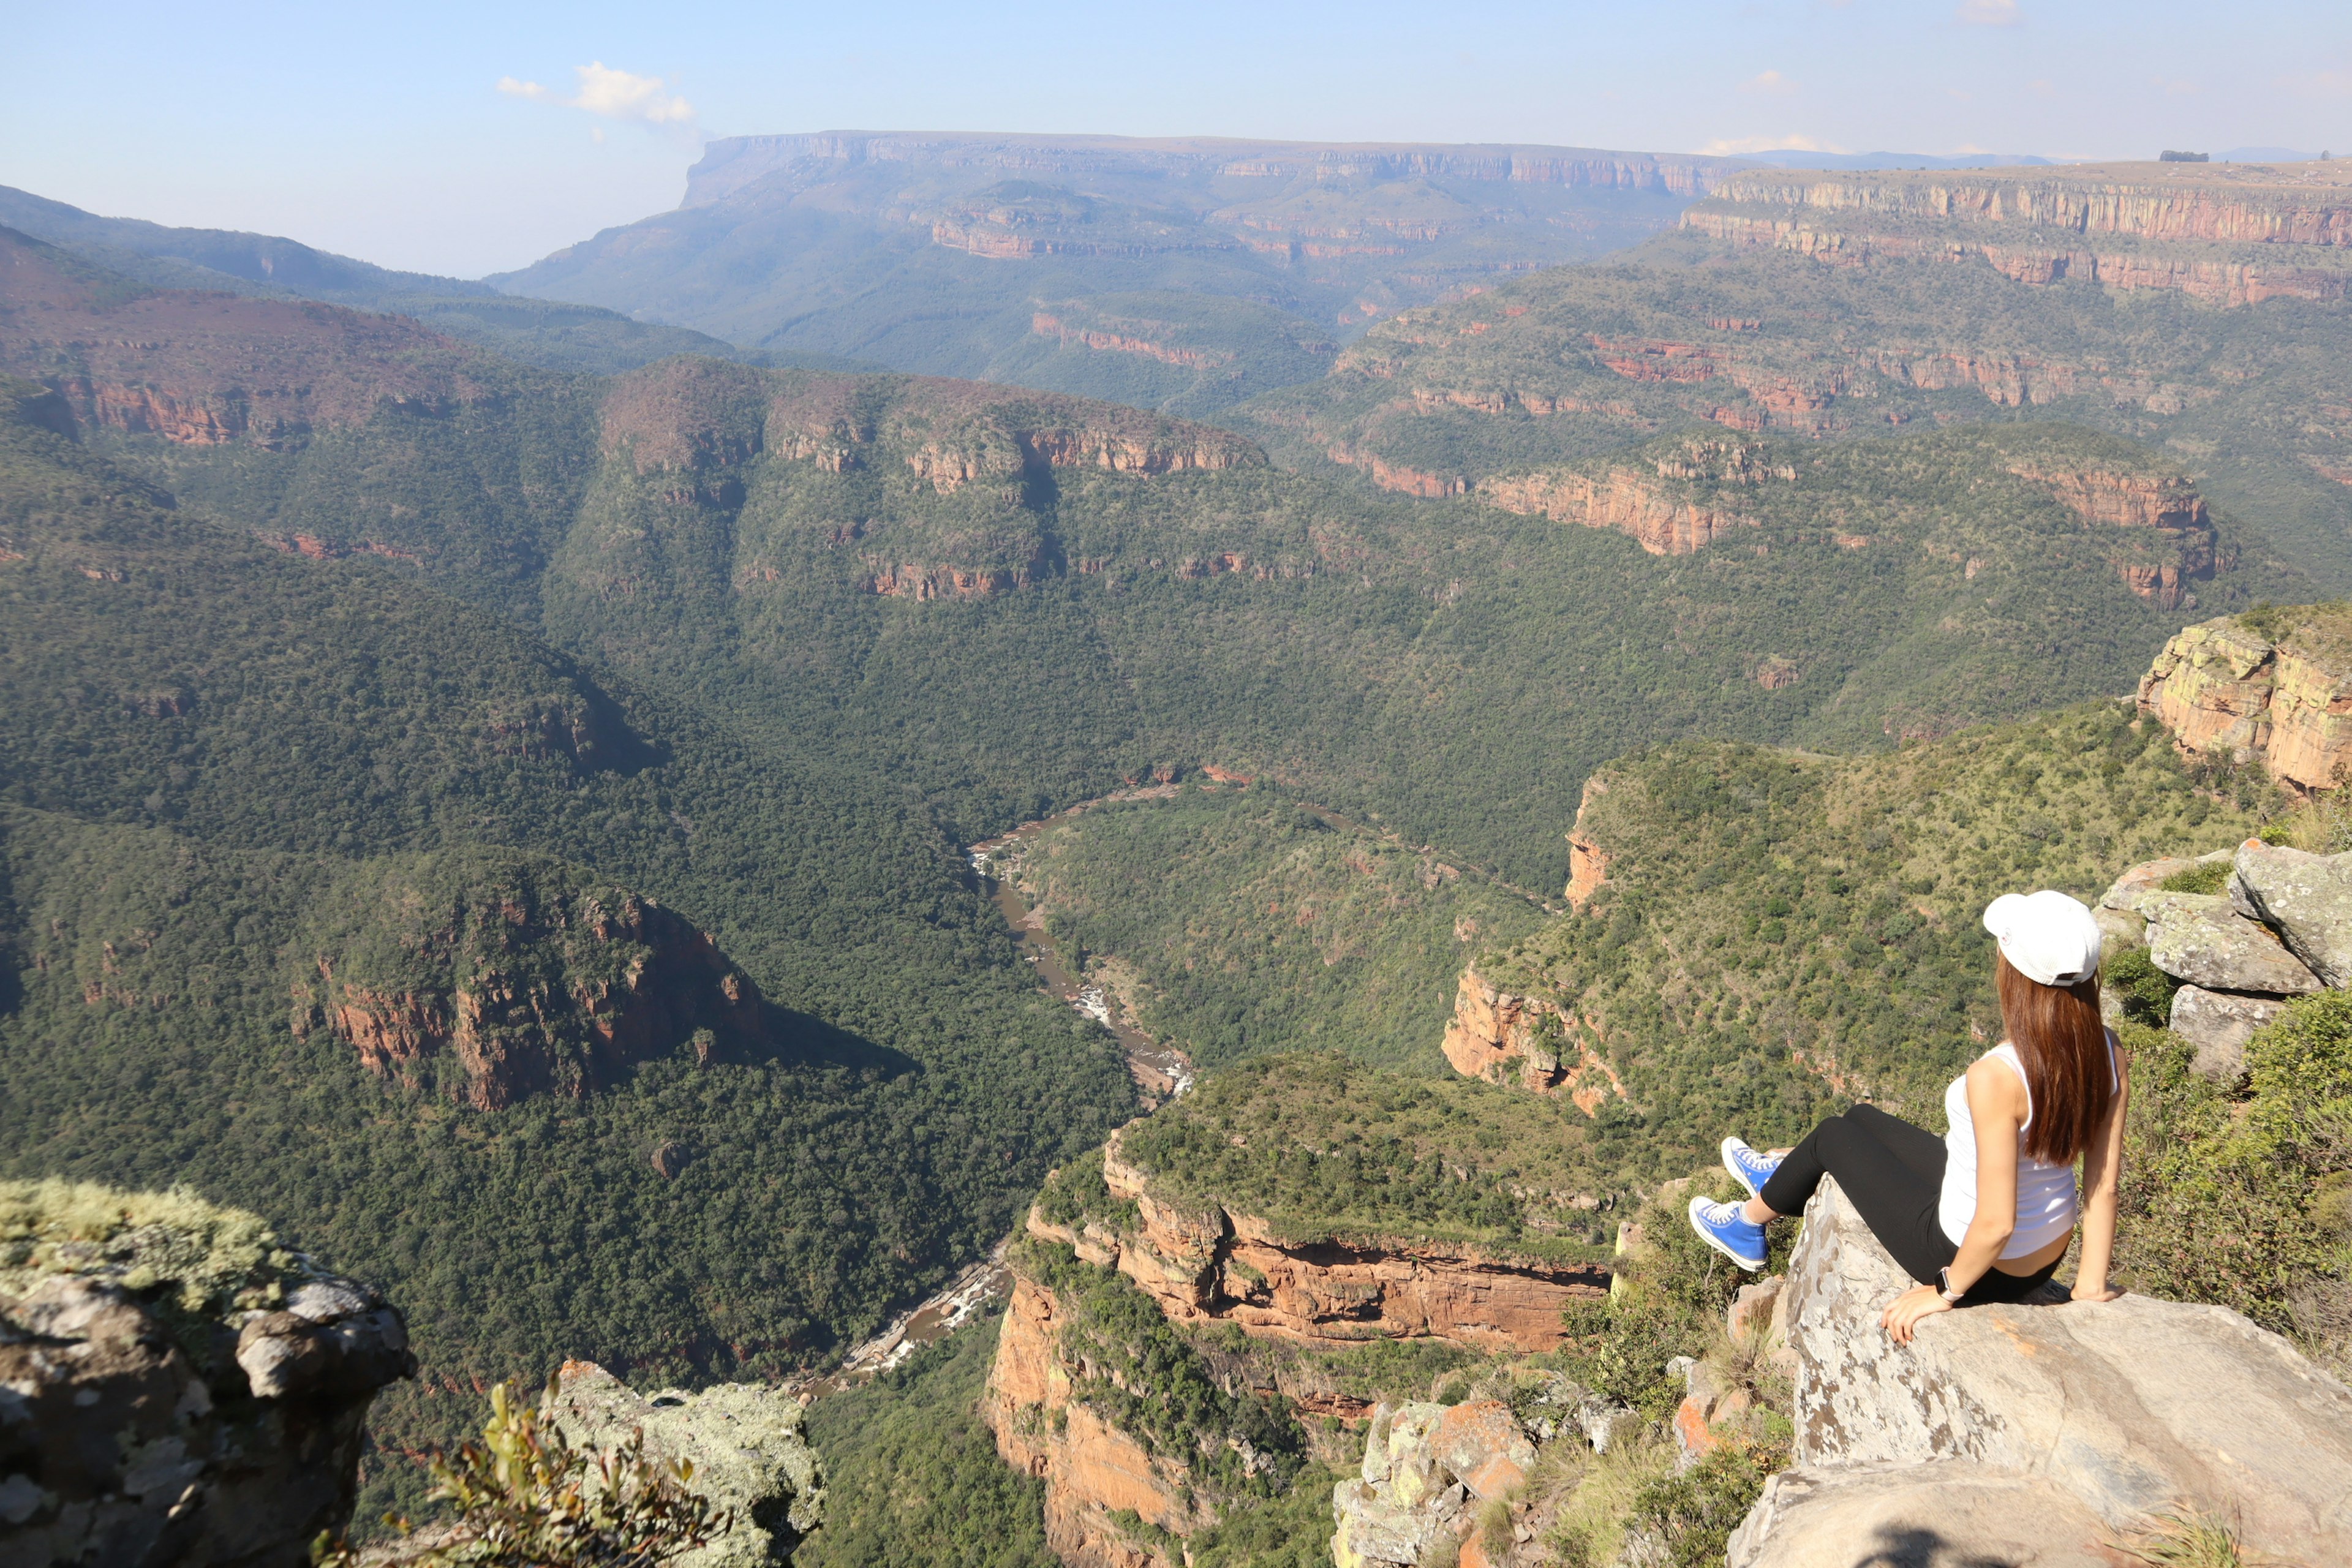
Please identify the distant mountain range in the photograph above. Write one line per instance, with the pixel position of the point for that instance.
(1184, 274)
(537, 332)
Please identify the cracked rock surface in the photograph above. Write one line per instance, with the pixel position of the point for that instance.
(2098, 1415)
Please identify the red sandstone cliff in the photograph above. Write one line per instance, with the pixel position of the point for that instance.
(521, 990)
(2226, 687)
(212, 369)
(1221, 1266)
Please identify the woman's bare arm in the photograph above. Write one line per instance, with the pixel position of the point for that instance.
(2103, 1169)
(1997, 1105)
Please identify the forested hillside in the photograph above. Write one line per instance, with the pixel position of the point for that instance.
(1015, 601)
(1177, 273)
(1829, 306)
(223, 764)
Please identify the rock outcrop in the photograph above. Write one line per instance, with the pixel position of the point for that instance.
(2282, 698)
(2281, 926)
(1620, 499)
(744, 1441)
(175, 1388)
(1092, 1469)
(1426, 1468)
(1503, 1036)
(1211, 1265)
(502, 978)
(2052, 1427)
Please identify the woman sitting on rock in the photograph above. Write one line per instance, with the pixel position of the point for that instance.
(1984, 1212)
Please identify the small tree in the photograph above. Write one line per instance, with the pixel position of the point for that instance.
(525, 1498)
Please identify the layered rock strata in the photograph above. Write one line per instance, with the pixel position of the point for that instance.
(2224, 687)
(1092, 1470)
(2095, 1417)
(1505, 1037)
(1212, 1264)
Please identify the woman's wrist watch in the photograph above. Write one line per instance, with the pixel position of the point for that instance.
(1944, 1286)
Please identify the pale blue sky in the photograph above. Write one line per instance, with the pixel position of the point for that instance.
(382, 131)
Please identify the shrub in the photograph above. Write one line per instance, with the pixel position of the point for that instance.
(524, 1498)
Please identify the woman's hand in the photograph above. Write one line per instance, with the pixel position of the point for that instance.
(2106, 1293)
(1903, 1314)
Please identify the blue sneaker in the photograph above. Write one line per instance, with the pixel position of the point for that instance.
(1748, 1168)
(1722, 1226)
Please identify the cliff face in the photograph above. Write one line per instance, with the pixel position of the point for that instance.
(1678, 507)
(179, 1389)
(1212, 1264)
(2166, 505)
(1502, 1037)
(531, 979)
(213, 369)
(2226, 686)
(2227, 235)
(1091, 1468)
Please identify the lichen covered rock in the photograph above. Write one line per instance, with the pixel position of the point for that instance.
(2217, 1026)
(2202, 939)
(1425, 1468)
(744, 1441)
(2305, 898)
(174, 1386)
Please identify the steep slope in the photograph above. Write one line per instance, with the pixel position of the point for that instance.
(343, 897)
(1784, 303)
(1018, 600)
(1762, 934)
(1272, 926)
(1107, 265)
(536, 331)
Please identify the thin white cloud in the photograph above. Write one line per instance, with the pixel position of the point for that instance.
(1770, 82)
(1733, 146)
(615, 94)
(1989, 13)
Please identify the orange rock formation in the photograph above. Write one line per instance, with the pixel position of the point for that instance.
(2224, 687)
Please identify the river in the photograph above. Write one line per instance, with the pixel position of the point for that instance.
(1162, 1072)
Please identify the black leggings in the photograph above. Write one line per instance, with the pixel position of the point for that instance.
(1892, 1173)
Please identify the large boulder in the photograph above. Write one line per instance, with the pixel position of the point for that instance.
(174, 1387)
(1951, 1513)
(744, 1441)
(2130, 1409)
(2306, 899)
(2218, 1025)
(2202, 939)
(1425, 1468)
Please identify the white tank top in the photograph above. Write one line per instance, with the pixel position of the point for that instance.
(2046, 1205)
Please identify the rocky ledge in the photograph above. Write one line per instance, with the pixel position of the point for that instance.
(1210, 1264)
(175, 1388)
(2038, 1435)
(2279, 692)
(2276, 923)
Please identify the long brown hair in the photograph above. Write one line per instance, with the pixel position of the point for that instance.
(2063, 1046)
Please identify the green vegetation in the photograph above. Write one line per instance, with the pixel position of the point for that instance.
(1778, 342)
(912, 1476)
(2245, 1198)
(1321, 1146)
(523, 1496)
(1146, 1376)
(1271, 926)
(1781, 931)
(219, 753)
(1214, 254)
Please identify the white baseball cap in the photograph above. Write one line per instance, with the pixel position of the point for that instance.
(2046, 936)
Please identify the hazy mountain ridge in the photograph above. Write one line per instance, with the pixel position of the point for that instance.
(536, 331)
(1809, 319)
(939, 252)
